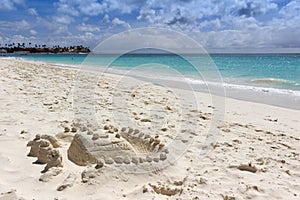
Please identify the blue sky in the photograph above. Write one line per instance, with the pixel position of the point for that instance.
(228, 25)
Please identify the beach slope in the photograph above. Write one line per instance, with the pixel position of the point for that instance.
(249, 151)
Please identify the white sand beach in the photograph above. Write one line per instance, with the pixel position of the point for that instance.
(252, 151)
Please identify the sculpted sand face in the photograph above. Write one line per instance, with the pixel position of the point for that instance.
(42, 148)
(114, 147)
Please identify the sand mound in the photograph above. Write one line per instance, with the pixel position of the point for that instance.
(123, 147)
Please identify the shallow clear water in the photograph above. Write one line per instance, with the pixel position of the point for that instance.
(276, 71)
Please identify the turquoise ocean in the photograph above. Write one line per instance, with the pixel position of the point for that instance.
(265, 73)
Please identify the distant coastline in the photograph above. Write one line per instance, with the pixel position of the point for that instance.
(38, 49)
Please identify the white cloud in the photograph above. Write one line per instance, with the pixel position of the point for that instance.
(63, 19)
(89, 35)
(117, 22)
(125, 6)
(268, 37)
(91, 8)
(185, 14)
(67, 7)
(212, 24)
(95, 7)
(106, 19)
(84, 19)
(19, 38)
(231, 23)
(288, 16)
(10, 4)
(245, 23)
(57, 28)
(86, 39)
(32, 11)
(14, 25)
(33, 32)
(7, 5)
(291, 10)
(87, 28)
(77, 7)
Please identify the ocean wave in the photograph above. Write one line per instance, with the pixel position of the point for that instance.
(12, 58)
(264, 89)
(273, 81)
(65, 65)
(195, 81)
(245, 87)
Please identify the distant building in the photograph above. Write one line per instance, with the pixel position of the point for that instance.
(21, 52)
(3, 51)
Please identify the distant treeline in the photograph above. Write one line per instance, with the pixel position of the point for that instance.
(19, 47)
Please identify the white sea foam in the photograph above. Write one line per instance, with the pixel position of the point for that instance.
(274, 81)
(245, 87)
(65, 65)
(12, 58)
(226, 85)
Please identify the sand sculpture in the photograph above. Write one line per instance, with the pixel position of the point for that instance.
(55, 160)
(51, 139)
(113, 146)
(35, 146)
(42, 148)
(125, 146)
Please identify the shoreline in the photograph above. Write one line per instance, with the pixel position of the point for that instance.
(258, 94)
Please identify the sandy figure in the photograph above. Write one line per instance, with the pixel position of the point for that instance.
(44, 149)
(55, 160)
(35, 145)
